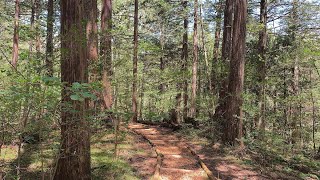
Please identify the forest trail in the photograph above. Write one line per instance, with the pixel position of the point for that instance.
(180, 159)
(174, 160)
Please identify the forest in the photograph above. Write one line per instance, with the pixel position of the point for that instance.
(159, 89)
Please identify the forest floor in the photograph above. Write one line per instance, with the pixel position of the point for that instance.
(138, 152)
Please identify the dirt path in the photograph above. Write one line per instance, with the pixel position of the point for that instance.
(174, 160)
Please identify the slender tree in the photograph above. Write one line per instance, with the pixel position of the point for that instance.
(219, 9)
(49, 46)
(106, 50)
(106, 28)
(233, 127)
(262, 47)
(293, 30)
(184, 57)
(15, 49)
(195, 62)
(74, 159)
(135, 64)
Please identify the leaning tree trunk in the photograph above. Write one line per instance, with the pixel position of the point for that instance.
(195, 62)
(15, 48)
(74, 159)
(106, 50)
(233, 127)
(135, 64)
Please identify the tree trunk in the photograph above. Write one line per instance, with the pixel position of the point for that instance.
(216, 47)
(233, 127)
(295, 72)
(184, 58)
(49, 47)
(106, 27)
(15, 48)
(226, 56)
(195, 62)
(262, 47)
(92, 42)
(74, 159)
(204, 49)
(162, 62)
(135, 64)
(38, 38)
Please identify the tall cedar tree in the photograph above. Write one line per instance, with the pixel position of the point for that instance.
(74, 159)
(195, 62)
(184, 58)
(135, 64)
(233, 127)
(106, 27)
(295, 72)
(49, 46)
(15, 48)
(226, 56)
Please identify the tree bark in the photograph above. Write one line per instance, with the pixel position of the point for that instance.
(15, 48)
(204, 49)
(49, 47)
(106, 28)
(38, 38)
(295, 72)
(195, 62)
(135, 64)
(226, 56)
(216, 47)
(74, 159)
(233, 127)
(184, 58)
(106, 52)
(262, 47)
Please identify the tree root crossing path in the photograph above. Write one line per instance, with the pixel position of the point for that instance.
(175, 159)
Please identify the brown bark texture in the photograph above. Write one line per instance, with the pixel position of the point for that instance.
(49, 46)
(226, 56)
(135, 64)
(184, 58)
(233, 126)
(74, 158)
(106, 52)
(262, 47)
(15, 48)
(194, 62)
(216, 46)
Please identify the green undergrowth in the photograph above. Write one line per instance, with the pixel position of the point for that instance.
(267, 157)
(35, 157)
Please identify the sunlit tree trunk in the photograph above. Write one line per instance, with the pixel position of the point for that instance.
(15, 49)
(106, 52)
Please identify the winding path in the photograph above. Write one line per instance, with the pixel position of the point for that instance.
(174, 159)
